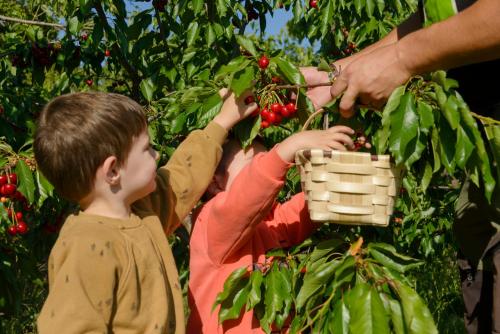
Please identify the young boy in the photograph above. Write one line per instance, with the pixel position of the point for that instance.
(111, 269)
(242, 221)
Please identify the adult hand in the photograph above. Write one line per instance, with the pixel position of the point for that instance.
(370, 79)
(321, 95)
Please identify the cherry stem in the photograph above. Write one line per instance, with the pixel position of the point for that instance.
(322, 84)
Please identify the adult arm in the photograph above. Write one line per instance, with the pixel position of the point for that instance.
(471, 36)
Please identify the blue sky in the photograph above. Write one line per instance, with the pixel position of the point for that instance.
(274, 23)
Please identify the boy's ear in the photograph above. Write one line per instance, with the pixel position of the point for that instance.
(111, 170)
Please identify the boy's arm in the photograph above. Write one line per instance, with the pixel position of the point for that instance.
(235, 212)
(183, 180)
(83, 279)
(293, 221)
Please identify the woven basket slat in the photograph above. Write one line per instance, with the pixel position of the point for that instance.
(348, 187)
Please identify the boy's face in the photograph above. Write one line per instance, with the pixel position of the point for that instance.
(138, 172)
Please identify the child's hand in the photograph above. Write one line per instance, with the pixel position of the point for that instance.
(335, 138)
(234, 109)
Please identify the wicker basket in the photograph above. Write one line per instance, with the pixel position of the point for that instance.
(350, 188)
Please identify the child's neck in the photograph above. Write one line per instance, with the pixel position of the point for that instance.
(106, 208)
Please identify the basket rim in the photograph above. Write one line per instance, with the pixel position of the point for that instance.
(328, 153)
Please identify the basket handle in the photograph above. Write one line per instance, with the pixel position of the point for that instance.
(311, 117)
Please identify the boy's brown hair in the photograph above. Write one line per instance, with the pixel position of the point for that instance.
(77, 132)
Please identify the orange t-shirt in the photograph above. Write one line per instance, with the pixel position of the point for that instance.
(234, 230)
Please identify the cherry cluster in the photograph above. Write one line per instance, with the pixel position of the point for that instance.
(273, 107)
(12, 198)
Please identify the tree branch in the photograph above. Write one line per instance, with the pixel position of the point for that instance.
(31, 22)
(134, 74)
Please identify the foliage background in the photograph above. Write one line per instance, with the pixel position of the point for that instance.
(166, 56)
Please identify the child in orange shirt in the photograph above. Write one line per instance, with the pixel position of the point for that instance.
(242, 221)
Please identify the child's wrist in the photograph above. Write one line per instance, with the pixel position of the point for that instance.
(226, 122)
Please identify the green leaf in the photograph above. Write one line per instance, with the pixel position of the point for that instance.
(209, 110)
(247, 44)
(73, 26)
(273, 297)
(324, 248)
(26, 181)
(436, 150)
(370, 7)
(404, 127)
(367, 312)
(327, 15)
(450, 112)
(447, 141)
(384, 132)
(234, 65)
(197, 6)
(147, 89)
(229, 285)
(345, 272)
(242, 80)
(247, 130)
(483, 162)
(427, 176)
(254, 295)
(341, 318)
(416, 315)
(288, 71)
(397, 317)
(314, 280)
(493, 134)
(464, 148)
(387, 256)
(231, 307)
(192, 33)
(45, 188)
(210, 35)
(222, 7)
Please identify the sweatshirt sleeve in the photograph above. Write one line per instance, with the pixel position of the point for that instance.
(184, 179)
(84, 273)
(293, 221)
(235, 212)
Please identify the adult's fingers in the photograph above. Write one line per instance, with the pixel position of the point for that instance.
(346, 106)
(224, 93)
(338, 86)
(344, 140)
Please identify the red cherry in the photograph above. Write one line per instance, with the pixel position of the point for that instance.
(263, 62)
(89, 82)
(313, 3)
(107, 53)
(19, 196)
(3, 180)
(279, 119)
(12, 230)
(8, 189)
(276, 79)
(12, 178)
(272, 118)
(276, 107)
(264, 124)
(264, 113)
(85, 36)
(19, 215)
(284, 111)
(21, 227)
(291, 108)
(9, 213)
(249, 99)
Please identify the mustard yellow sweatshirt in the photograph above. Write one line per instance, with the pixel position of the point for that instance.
(118, 275)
